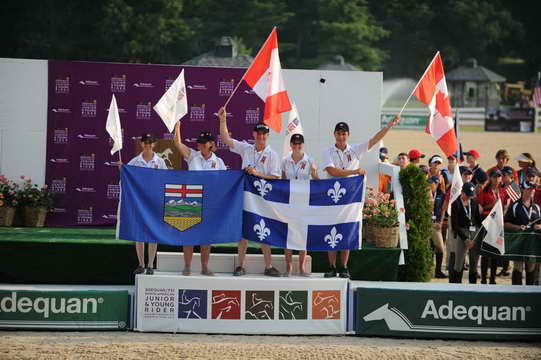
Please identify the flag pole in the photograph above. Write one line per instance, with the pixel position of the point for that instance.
(242, 78)
(418, 82)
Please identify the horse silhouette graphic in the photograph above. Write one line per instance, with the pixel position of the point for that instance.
(397, 321)
(225, 305)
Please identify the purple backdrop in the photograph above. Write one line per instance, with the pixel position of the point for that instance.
(79, 168)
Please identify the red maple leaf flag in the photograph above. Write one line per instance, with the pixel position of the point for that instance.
(264, 76)
(432, 91)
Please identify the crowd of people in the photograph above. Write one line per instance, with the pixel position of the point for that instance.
(456, 225)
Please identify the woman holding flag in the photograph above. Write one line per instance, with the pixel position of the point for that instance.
(149, 159)
(203, 159)
(297, 166)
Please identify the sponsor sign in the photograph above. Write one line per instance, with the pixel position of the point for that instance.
(461, 312)
(28, 309)
(248, 305)
(79, 94)
(415, 122)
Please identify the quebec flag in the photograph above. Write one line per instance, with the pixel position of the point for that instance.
(318, 215)
(179, 207)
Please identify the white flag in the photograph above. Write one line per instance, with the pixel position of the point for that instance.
(113, 126)
(173, 105)
(456, 188)
(294, 126)
(494, 227)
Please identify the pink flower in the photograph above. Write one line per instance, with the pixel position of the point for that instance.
(371, 188)
(376, 211)
(393, 202)
(1, 203)
(386, 196)
(386, 214)
(371, 202)
(44, 187)
(22, 177)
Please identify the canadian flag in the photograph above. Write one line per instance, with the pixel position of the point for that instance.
(432, 91)
(264, 76)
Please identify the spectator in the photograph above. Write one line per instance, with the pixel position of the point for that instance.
(449, 171)
(415, 156)
(487, 198)
(519, 217)
(502, 159)
(384, 184)
(525, 161)
(437, 187)
(402, 160)
(471, 159)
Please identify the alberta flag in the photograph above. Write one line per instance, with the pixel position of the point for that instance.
(179, 207)
(304, 215)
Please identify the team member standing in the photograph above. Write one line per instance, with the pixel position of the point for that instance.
(487, 198)
(204, 159)
(521, 216)
(342, 160)
(297, 166)
(465, 220)
(149, 159)
(437, 188)
(257, 160)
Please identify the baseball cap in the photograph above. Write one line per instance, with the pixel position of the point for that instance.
(465, 170)
(507, 170)
(473, 153)
(148, 138)
(415, 154)
(495, 173)
(480, 176)
(297, 139)
(205, 136)
(435, 158)
(341, 126)
(261, 127)
(468, 189)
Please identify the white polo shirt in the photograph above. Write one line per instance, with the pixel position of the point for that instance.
(265, 161)
(348, 159)
(196, 161)
(299, 171)
(155, 163)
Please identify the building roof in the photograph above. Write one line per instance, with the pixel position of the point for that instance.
(338, 63)
(223, 55)
(473, 72)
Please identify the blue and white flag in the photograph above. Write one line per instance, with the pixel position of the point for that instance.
(179, 207)
(304, 215)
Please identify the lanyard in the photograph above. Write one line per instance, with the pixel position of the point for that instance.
(467, 210)
(528, 213)
(257, 158)
(297, 167)
(340, 158)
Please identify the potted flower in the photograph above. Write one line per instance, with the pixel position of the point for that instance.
(8, 200)
(37, 201)
(380, 219)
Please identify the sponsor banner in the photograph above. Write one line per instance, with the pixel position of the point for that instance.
(78, 146)
(450, 312)
(411, 122)
(247, 305)
(69, 309)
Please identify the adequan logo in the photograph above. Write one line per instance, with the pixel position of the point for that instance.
(88, 136)
(46, 306)
(481, 315)
(89, 83)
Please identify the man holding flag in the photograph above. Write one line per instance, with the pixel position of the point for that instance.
(257, 160)
(342, 160)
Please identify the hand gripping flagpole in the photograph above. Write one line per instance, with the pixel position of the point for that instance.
(418, 82)
(242, 78)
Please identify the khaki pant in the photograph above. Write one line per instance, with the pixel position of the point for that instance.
(437, 239)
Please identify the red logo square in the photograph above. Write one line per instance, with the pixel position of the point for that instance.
(226, 304)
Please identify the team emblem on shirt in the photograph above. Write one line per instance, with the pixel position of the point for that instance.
(182, 205)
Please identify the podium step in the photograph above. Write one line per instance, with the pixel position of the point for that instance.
(226, 263)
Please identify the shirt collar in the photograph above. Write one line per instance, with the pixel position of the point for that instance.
(348, 148)
(154, 158)
(290, 157)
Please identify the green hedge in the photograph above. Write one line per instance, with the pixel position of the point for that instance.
(419, 264)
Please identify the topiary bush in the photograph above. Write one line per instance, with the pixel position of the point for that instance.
(419, 264)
